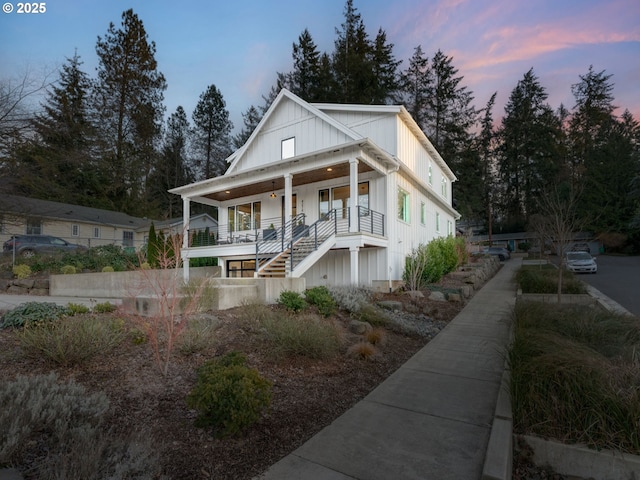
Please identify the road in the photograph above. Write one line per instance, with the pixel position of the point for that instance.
(619, 279)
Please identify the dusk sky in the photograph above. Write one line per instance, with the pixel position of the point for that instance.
(239, 46)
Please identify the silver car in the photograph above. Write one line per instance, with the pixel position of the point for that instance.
(580, 262)
(29, 245)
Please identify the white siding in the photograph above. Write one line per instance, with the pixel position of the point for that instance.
(311, 133)
(378, 126)
(336, 264)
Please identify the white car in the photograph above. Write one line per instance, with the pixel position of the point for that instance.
(580, 262)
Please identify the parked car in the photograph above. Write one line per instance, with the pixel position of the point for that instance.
(29, 245)
(581, 247)
(580, 262)
(500, 252)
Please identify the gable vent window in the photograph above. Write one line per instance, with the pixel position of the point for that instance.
(288, 148)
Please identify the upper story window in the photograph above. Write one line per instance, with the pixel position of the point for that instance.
(288, 148)
(449, 227)
(404, 206)
(430, 174)
(443, 186)
(423, 213)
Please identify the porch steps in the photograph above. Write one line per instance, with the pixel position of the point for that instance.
(280, 265)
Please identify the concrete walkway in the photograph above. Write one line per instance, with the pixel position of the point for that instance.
(431, 419)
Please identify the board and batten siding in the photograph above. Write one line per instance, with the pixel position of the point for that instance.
(291, 120)
(334, 268)
(378, 126)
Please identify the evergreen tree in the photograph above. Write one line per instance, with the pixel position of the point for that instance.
(59, 161)
(212, 131)
(128, 95)
(152, 247)
(173, 168)
(415, 87)
(528, 160)
(304, 79)
(251, 119)
(385, 70)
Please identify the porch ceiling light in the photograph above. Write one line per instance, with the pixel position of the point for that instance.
(329, 169)
(273, 190)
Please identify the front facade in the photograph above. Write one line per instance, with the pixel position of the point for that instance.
(337, 194)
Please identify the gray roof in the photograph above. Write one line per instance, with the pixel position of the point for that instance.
(45, 209)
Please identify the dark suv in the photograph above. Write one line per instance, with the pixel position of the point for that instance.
(29, 245)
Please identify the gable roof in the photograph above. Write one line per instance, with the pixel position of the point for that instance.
(283, 96)
(177, 222)
(33, 207)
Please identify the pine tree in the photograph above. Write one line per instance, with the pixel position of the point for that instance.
(251, 119)
(304, 79)
(128, 95)
(212, 133)
(415, 87)
(528, 161)
(173, 168)
(385, 70)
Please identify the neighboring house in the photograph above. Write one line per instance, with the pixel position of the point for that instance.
(338, 194)
(202, 221)
(83, 225)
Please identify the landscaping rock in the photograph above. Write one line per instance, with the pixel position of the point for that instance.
(359, 328)
(41, 292)
(437, 297)
(415, 294)
(4, 284)
(454, 297)
(16, 290)
(390, 305)
(41, 283)
(24, 283)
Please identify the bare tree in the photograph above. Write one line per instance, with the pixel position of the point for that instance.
(557, 223)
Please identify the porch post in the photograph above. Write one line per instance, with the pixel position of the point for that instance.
(355, 266)
(186, 217)
(288, 201)
(353, 195)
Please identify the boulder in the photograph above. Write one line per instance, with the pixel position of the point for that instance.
(358, 327)
(437, 297)
(454, 297)
(391, 305)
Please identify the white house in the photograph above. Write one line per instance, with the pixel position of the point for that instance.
(337, 194)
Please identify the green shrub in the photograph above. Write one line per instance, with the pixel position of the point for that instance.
(68, 270)
(32, 314)
(105, 307)
(107, 269)
(229, 395)
(292, 301)
(432, 261)
(304, 335)
(77, 309)
(21, 271)
(524, 246)
(71, 340)
(321, 298)
(138, 337)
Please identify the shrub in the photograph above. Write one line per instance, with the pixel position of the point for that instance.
(105, 307)
(145, 266)
(32, 314)
(432, 261)
(376, 336)
(305, 335)
(77, 309)
(57, 429)
(21, 271)
(199, 334)
(321, 298)
(362, 350)
(40, 407)
(107, 269)
(351, 299)
(545, 280)
(292, 301)
(71, 340)
(374, 316)
(229, 395)
(68, 270)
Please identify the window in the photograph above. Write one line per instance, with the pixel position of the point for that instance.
(423, 213)
(75, 230)
(289, 148)
(96, 232)
(430, 174)
(241, 268)
(443, 185)
(244, 217)
(338, 198)
(437, 222)
(127, 239)
(34, 227)
(403, 206)
(449, 227)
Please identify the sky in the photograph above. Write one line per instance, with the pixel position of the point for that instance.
(239, 46)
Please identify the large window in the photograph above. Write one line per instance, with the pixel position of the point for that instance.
(241, 268)
(404, 205)
(244, 217)
(338, 198)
